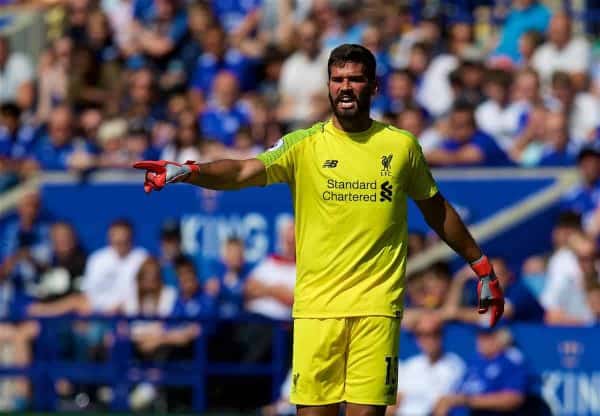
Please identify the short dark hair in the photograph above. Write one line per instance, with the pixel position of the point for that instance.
(353, 53)
(122, 223)
(561, 79)
(10, 110)
(463, 106)
(184, 261)
(569, 219)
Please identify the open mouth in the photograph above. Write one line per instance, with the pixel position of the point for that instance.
(346, 102)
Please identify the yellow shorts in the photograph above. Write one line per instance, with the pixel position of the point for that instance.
(351, 360)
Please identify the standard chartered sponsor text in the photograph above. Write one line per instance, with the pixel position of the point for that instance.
(348, 187)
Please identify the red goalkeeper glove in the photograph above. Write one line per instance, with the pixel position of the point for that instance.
(161, 172)
(489, 291)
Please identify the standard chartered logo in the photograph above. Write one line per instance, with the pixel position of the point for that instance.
(386, 191)
(357, 191)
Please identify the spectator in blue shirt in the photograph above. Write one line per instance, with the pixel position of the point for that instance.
(495, 383)
(556, 141)
(466, 145)
(239, 17)
(216, 58)
(525, 15)
(160, 30)
(224, 115)
(55, 149)
(192, 302)
(226, 278)
(348, 28)
(585, 198)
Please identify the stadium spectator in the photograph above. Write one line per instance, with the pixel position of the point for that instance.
(435, 92)
(564, 296)
(111, 136)
(427, 31)
(61, 273)
(15, 142)
(399, 93)
(563, 52)
(224, 115)
(524, 15)
(495, 383)
(16, 72)
(53, 76)
(519, 304)
(227, 277)
(239, 19)
(413, 120)
(269, 289)
(216, 58)
(585, 197)
(372, 40)
(545, 140)
(110, 272)
(187, 143)
(495, 116)
(529, 42)
(347, 27)
(158, 31)
(426, 291)
(140, 104)
(465, 145)
(151, 299)
(467, 81)
(424, 378)
(581, 109)
(307, 63)
(109, 277)
(26, 239)
(59, 149)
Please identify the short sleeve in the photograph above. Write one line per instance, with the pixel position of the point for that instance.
(420, 184)
(280, 161)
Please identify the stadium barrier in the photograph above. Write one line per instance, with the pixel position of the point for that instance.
(564, 367)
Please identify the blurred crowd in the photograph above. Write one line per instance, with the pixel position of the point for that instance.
(478, 83)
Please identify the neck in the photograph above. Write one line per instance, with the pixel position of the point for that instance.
(355, 125)
(434, 357)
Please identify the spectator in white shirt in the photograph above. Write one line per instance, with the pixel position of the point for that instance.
(15, 71)
(269, 290)
(496, 116)
(564, 296)
(108, 280)
(582, 109)
(563, 52)
(426, 377)
(303, 76)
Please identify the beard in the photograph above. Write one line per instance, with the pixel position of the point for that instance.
(363, 105)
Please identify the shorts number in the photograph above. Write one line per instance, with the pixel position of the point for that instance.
(391, 370)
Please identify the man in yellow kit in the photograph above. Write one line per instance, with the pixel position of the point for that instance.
(349, 178)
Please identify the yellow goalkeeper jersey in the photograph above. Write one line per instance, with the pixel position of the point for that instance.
(349, 193)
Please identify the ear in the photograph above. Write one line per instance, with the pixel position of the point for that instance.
(375, 87)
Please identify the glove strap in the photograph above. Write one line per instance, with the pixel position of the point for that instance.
(482, 267)
(192, 165)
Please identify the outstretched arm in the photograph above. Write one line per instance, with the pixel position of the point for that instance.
(229, 174)
(219, 175)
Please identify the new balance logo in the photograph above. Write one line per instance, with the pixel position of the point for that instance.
(386, 192)
(330, 163)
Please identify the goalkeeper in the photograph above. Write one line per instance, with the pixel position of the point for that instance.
(349, 178)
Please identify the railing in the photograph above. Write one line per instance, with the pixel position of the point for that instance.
(121, 372)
